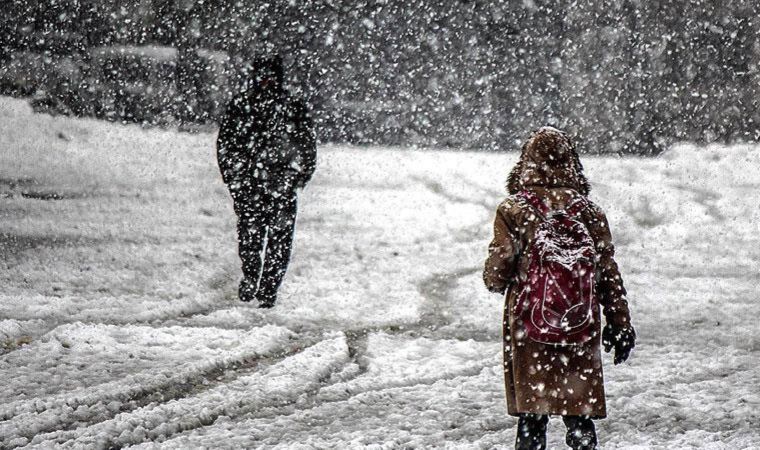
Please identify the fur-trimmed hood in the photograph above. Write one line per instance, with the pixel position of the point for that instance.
(548, 159)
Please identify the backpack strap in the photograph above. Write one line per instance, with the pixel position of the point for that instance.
(576, 206)
(532, 199)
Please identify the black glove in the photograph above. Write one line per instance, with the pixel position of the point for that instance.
(622, 339)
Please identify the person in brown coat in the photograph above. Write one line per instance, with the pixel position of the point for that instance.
(544, 379)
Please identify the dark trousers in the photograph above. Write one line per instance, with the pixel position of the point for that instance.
(266, 221)
(531, 432)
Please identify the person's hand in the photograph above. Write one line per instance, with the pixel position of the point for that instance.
(302, 180)
(623, 340)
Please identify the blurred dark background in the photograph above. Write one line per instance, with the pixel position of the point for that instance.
(626, 76)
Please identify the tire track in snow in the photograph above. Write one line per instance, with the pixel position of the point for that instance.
(63, 421)
(436, 312)
(317, 400)
(437, 291)
(28, 330)
(280, 384)
(21, 421)
(354, 389)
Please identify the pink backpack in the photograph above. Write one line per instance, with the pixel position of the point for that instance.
(557, 301)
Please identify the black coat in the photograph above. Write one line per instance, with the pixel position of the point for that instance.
(266, 138)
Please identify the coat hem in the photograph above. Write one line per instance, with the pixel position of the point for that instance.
(518, 414)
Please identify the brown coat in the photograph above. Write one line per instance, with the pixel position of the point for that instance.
(539, 378)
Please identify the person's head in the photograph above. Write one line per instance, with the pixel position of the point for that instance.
(548, 158)
(267, 72)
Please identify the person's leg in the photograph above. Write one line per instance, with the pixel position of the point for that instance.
(581, 432)
(251, 233)
(531, 432)
(279, 243)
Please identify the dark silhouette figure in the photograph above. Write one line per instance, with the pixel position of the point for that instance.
(266, 151)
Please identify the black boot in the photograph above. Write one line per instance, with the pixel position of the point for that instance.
(581, 433)
(266, 301)
(531, 432)
(246, 290)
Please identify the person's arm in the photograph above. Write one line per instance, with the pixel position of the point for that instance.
(231, 146)
(610, 289)
(502, 253)
(619, 332)
(306, 141)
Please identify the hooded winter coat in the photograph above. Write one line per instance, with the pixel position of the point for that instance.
(540, 378)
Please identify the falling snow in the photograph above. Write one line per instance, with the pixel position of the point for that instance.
(120, 325)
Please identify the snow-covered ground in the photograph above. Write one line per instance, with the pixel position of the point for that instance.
(119, 324)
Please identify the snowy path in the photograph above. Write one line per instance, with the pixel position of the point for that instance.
(119, 324)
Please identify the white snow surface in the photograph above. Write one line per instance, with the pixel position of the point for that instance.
(119, 323)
